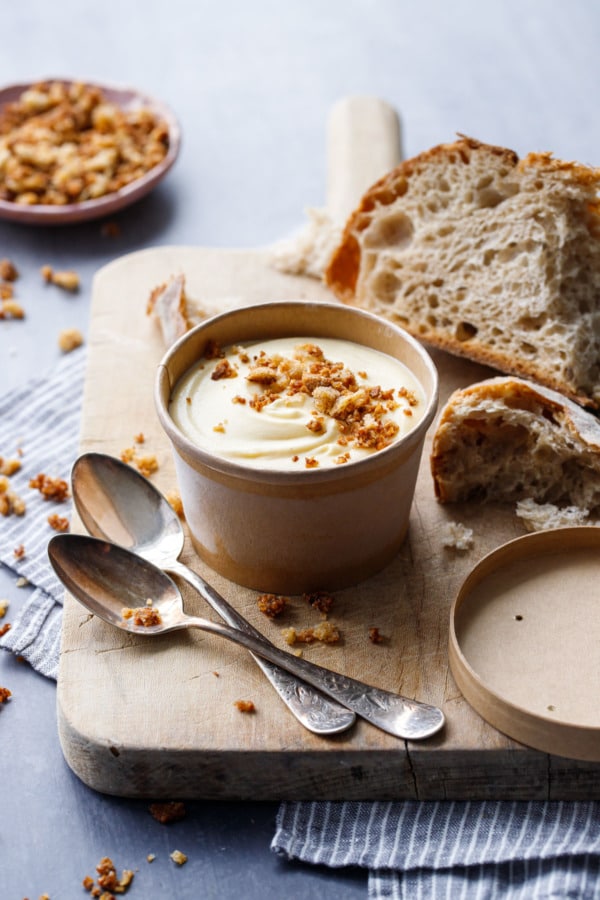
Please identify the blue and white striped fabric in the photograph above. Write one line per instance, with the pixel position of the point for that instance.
(471, 850)
(42, 421)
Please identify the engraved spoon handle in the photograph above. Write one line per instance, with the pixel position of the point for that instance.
(399, 716)
(313, 709)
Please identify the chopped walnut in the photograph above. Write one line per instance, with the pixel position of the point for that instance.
(19, 552)
(10, 309)
(147, 465)
(69, 339)
(174, 499)
(59, 523)
(4, 694)
(50, 488)
(66, 143)
(67, 279)
(171, 811)
(245, 706)
(8, 270)
(272, 605)
(4, 628)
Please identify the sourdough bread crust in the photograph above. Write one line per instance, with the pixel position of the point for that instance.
(506, 439)
(485, 256)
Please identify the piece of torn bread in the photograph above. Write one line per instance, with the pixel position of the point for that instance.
(506, 439)
(487, 256)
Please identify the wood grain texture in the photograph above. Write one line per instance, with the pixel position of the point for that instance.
(157, 718)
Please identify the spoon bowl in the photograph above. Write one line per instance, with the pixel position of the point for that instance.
(106, 579)
(116, 503)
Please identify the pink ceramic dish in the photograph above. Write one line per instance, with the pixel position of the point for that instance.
(110, 203)
(295, 531)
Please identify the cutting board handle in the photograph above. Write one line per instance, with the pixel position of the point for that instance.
(363, 143)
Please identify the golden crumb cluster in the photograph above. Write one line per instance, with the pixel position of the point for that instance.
(326, 632)
(50, 488)
(66, 143)
(108, 882)
(143, 616)
(361, 411)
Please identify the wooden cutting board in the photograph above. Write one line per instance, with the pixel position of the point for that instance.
(157, 719)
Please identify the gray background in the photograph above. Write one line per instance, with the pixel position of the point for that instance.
(252, 84)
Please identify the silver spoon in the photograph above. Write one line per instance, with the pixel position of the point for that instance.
(118, 504)
(106, 578)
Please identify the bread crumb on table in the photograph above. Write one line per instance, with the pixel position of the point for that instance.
(4, 694)
(4, 604)
(50, 488)
(58, 523)
(375, 636)
(108, 880)
(457, 536)
(271, 605)
(325, 632)
(245, 706)
(322, 601)
(178, 857)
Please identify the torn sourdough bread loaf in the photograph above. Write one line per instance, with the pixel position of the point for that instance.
(508, 440)
(486, 256)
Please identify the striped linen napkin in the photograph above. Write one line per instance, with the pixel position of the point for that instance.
(476, 850)
(472, 850)
(39, 424)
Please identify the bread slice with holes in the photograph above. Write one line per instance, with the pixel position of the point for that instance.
(507, 439)
(486, 256)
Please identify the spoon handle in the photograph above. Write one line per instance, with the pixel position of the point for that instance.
(312, 708)
(399, 716)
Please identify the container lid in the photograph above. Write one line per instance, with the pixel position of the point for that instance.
(525, 641)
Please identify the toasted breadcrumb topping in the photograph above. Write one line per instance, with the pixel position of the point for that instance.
(272, 605)
(178, 857)
(360, 411)
(325, 632)
(322, 601)
(143, 616)
(245, 706)
(375, 636)
(59, 523)
(107, 880)
(50, 488)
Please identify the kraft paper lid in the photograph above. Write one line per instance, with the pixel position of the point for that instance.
(525, 641)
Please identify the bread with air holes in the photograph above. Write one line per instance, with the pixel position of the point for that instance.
(486, 256)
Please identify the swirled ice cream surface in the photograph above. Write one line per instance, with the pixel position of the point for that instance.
(296, 403)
